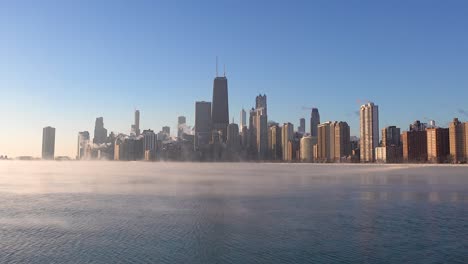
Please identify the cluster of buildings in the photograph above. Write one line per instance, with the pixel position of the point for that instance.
(255, 138)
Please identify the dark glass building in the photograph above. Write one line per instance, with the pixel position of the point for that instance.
(220, 106)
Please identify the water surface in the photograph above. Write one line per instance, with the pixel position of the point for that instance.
(136, 212)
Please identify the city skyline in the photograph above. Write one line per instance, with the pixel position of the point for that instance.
(396, 55)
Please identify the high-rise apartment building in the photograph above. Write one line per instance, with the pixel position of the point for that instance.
(314, 122)
(306, 149)
(457, 137)
(333, 141)
(342, 140)
(369, 128)
(391, 136)
(275, 145)
(243, 118)
(202, 124)
(48, 143)
(100, 133)
(259, 128)
(414, 146)
(391, 150)
(220, 106)
(326, 142)
(287, 136)
(438, 145)
(233, 138)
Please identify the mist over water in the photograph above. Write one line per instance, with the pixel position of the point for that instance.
(137, 212)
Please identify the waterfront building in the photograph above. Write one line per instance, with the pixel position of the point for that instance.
(202, 124)
(48, 143)
(314, 122)
(287, 135)
(220, 106)
(306, 149)
(438, 144)
(457, 138)
(415, 146)
(275, 145)
(391, 136)
(369, 131)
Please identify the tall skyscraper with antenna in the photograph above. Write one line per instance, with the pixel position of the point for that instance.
(220, 106)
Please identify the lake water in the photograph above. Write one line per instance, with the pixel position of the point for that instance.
(136, 212)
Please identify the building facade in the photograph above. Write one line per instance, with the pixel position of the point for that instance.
(48, 143)
(220, 107)
(438, 145)
(287, 135)
(202, 124)
(414, 146)
(100, 133)
(314, 122)
(457, 138)
(83, 141)
(369, 131)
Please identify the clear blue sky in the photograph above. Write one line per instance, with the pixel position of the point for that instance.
(64, 63)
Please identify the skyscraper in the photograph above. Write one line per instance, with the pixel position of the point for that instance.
(314, 122)
(414, 146)
(166, 130)
(258, 123)
(220, 106)
(306, 149)
(438, 146)
(392, 149)
(233, 137)
(202, 124)
(100, 133)
(326, 142)
(83, 141)
(261, 102)
(342, 140)
(276, 152)
(48, 143)
(457, 141)
(181, 123)
(149, 140)
(301, 128)
(369, 128)
(391, 136)
(287, 136)
(243, 118)
(136, 126)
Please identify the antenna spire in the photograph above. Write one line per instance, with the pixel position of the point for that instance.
(224, 70)
(216, 66)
